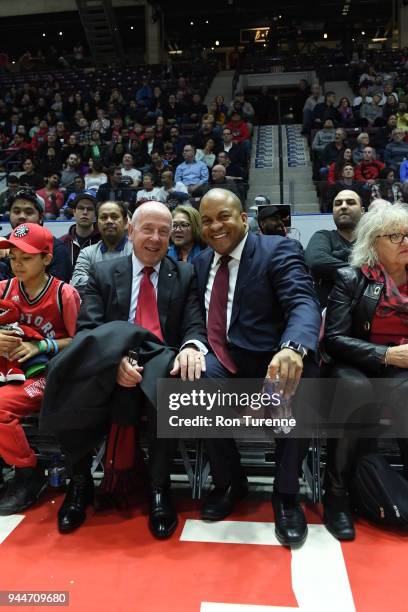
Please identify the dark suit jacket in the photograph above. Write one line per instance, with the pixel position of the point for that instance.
(274, 299)
(108, 294)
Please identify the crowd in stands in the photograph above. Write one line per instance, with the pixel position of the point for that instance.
(373, 126)
(120, 142)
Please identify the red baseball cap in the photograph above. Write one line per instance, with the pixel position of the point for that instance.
(29, 238)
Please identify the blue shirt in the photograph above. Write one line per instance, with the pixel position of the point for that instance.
(193, 173)
(174, 254)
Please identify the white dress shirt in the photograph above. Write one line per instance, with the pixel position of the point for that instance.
(233, 266)
(137, 275)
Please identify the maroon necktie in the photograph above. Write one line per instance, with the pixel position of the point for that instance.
(217, 315)
(147, 315)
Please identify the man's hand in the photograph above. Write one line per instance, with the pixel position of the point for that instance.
(128, 375)
(24, 351)
(398, 356)
(8, 341)
(189, 363)
(287, 365)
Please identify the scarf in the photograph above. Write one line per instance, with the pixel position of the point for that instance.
(391, 301)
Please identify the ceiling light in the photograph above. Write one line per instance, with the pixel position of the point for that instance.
(217, 43)
(191, 22)
(363, 33)
(132, 27)
(325, 35)
(206, 21)
(43, 33)
(60, 33)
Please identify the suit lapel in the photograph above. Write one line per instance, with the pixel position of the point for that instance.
(245, 265)
(123, 285)
(167, 278)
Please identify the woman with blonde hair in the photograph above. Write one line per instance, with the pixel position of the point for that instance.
(366, 337)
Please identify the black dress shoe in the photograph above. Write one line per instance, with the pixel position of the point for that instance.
(338, 519)
(162, 516)
(290, 522)
(23, 490)
(221, 501)
(80, 494)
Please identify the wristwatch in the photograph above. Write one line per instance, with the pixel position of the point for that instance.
(295, 346)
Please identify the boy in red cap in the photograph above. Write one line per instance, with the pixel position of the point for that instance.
(50, 307)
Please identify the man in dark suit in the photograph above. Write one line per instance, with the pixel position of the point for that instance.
(263, 319)
(160, 295)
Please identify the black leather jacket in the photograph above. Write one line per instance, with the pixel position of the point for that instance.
(350, 311)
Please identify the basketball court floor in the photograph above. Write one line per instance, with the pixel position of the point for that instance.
(113, 564)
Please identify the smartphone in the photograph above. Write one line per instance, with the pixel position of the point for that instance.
(133, 357)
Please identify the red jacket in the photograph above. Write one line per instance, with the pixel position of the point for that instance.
(366, 171)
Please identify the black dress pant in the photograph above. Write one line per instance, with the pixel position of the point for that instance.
(365, 402)
(128, 405)
(224, 458)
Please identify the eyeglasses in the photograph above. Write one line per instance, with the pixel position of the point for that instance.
(183, 225)
(394, 238)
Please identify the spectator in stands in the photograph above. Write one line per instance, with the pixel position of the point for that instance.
(391, 106)
(20, 148)
(77, 187)
(402, 117)
(96, 148)
(234, 171)
(396, 151)
(323, 137)
(388, 90)
(160, 128)
(150, 142)
(386, 187)
(346, 181)
(130, 175)
(309, 106)
(101, 124)
(185, 241)
(177, 141)
(112, 225)
(362, 98)
(158, 166)
(149, 191)
(235, 150)
(335, 168)
(51, 309)
(196, 109)
(50, 141)
(329, 250)
(191, 172)
(206, 154)
(115, 190)
(363, 140)
(95, 176)
(371, 113)
(172, 111)
(383, 136)
(368, 170)
(207, 130)
(30, 178)
(365, 337)
(72, 148)
(13, 184)
(83, 233)
(27, 207)
(332, 151)
(240, 131)
(218, 179)
(244, 108)
(70, 172)
(174, 193)
(52, 196)
(346, 112)
(326, 110)
(144, 93)
(225, 229)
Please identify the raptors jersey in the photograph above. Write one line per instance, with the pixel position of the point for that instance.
(53, 313)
